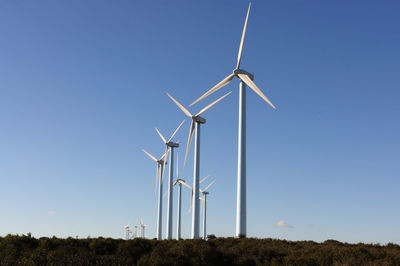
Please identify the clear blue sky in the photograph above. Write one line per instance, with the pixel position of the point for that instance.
(83, 84)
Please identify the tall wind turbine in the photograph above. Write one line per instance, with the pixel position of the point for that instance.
(195, 125)
(204, 198)
(245, 78)
(160, 164)
(170, 145)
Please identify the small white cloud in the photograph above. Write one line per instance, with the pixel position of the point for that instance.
(282, 223)
(51, 212)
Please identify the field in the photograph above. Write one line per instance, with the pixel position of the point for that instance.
(26, 250)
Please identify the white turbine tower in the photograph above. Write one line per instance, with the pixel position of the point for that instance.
(196, 121)
(245, 78)
(142, 228)
(204, 198)
(126, 232)
(135, 231)
(179, 217)
(170, 145)
(160, 164)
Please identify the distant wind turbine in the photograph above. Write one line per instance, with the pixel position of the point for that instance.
(142, 228)
(245, 78)
(127, 232)
(182, 182)
(204, 198)
(135, 231)
(170, 145)
(160, 164)
(196, 121)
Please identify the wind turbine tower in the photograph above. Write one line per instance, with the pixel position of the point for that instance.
(135, 231)
(142, 228)
(126, 232)
(179, 217)
(204, 198)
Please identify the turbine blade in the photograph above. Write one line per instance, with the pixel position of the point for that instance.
(253, 86)
(211, 104)
(165, 194)
(191, 130)
(161, 136)
(223, 83)
(209, 185)
(176, 182)
(164, 154)
(204, 179)
(180, 106)
(151, 156)
(176, 130)
(185, 184)
(242, 40)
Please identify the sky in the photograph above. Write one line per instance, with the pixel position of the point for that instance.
(84, 83)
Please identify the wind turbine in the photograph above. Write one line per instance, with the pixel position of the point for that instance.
(196, 122)
(182, 182)
(135, 231)
(160, 164)
(204, 198)
(179, 182)
(126, 232)
(170, 145)
(142, 228)
(245, 78)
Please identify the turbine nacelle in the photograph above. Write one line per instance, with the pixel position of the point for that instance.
(199, 119)
(172, 144)
(162, 162)
(179, 181)
(244, 72)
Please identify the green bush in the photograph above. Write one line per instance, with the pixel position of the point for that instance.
(26, 250)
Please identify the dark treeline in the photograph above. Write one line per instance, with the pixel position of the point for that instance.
(26, 250)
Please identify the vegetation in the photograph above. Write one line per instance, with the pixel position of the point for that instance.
(26, 250)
